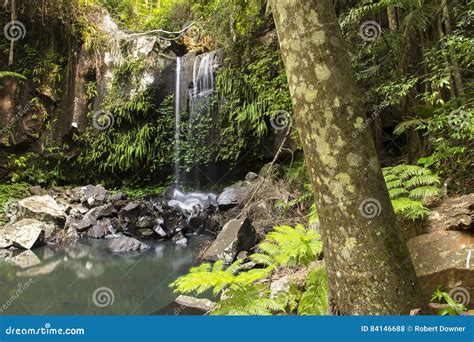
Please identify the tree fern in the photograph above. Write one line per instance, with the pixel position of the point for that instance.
(4, 74)
(410, 186)
(288, 246)
(245, 292)
(315, 299)
(249, 300)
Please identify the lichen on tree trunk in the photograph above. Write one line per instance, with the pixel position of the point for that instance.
(369, 267)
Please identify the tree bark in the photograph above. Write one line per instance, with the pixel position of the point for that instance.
(455, 66)
(369, 266)
(392, 18)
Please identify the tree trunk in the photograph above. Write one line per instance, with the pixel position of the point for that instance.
(456, 73)
(392, 18)
(369, 266)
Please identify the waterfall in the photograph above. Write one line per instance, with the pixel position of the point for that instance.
(195, 84)
(177, 135)
(195, 99)
(203, 82)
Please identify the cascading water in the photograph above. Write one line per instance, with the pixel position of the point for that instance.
(177, 135)
(199, 93)
(203, 82)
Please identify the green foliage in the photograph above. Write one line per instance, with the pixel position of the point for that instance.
(5, 74)
(421, 71)
(198, 130)
(171, 15)
(206, 277)
(146, 143)
(252, 92)
(315, 299)
(453, 307)
(290, 247)
(246, 292)
(250, 300)
(410, 186)
(10, 194)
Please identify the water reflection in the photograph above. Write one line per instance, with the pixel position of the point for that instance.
(64, 281)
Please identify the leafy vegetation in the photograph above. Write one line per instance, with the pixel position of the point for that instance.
(453, 308)
(247, 292)
(411, 186)
(9, 195)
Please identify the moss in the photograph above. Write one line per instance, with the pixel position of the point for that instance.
(10, 194)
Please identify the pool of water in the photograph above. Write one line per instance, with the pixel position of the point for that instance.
(86, 279)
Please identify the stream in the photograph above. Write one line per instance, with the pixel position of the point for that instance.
(86, 279)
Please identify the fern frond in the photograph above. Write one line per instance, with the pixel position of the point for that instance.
(262, 259)
(315, 300)
(424, 180)
(409, 124)
(409, 186)
(409, 208)
(424, 192)
(397, 192)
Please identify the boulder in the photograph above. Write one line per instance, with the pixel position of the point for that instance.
(251, 176)
(90, 219)
(126, 244)
(27, 233)
(204, 305)
(37, 191)
(145, 222)
(455, 213)
(237, 235)
(41, 208)
(232, 196)
(101, 211)
(93, 196)
(97, 231)
(180, 239)
(160, 231)
(146, 233)
(4, 243)
(444, 259)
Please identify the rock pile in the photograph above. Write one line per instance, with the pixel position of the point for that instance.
(92, 211)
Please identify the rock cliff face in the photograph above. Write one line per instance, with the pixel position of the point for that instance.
(22, 122)
(443, 255)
